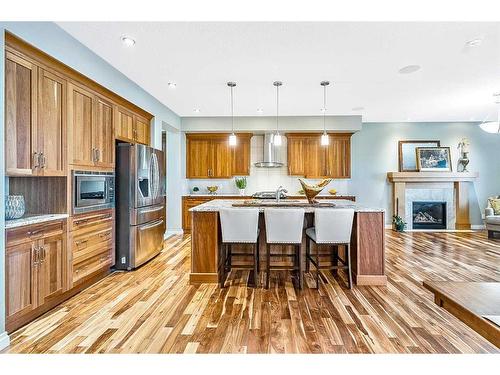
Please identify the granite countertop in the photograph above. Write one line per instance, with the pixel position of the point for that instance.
(33, 219)
(217, 204)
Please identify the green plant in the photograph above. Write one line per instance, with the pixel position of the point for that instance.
(399, 223)
(196, 189)
(241, 182)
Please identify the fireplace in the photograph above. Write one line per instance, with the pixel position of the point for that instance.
(429, 215)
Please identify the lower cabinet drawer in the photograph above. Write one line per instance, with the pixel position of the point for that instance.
(86, 246)
(82, 269)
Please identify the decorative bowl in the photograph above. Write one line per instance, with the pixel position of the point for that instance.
(212, 189)
(312, 190)
(14, 207)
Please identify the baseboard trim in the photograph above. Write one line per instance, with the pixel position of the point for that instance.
(478, 227)
(173, 232)
(203, 278)
(4, 340)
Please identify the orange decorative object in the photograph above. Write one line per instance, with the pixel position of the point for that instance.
(312, 190)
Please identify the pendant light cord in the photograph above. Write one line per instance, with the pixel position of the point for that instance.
(324, 109)
(232, 111)
(277, 107)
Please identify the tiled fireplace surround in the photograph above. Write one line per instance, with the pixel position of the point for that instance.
(449, 187)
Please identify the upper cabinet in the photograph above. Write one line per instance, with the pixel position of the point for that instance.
(91, 139)
(55, 116)
(130, 127)
(208, 155)
(35, 114)
(308, 158)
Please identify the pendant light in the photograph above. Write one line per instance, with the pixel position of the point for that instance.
(325, 140)
(493, 126)
(232, 138)
(277, 135)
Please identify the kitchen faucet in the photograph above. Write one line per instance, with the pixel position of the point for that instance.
(280, 190)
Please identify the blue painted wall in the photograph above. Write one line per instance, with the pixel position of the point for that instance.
(375, 152)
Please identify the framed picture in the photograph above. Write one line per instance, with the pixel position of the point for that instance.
(407, 154)
(433, 159)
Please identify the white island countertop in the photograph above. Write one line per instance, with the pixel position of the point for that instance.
(218, 204)
(33, 219)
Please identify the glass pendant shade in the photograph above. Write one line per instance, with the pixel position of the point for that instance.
(325, 139)
(233, 140)
(491, 127)
(277, 139)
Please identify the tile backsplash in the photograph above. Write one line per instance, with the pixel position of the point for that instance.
(262, 179)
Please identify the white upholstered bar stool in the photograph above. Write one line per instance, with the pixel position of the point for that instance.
(332, 226)
(284, 226)
(239, 226)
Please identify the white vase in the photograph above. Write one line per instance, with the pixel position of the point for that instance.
(242, 192)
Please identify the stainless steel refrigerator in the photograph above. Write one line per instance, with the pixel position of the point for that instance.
(140, 204)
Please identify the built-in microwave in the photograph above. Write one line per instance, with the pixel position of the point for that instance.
(93, 191)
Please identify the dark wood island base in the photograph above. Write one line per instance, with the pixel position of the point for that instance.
(367, 247)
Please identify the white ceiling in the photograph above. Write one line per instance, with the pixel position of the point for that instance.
(455, 83)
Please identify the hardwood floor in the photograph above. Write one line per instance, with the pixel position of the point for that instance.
(155, 310)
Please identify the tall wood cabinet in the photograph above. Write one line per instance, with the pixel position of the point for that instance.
(308, 158)
(208, 155)
(91, 135)
(35, 107)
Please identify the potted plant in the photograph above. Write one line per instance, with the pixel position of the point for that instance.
(196, 189)
(241, 184)
(399, 223)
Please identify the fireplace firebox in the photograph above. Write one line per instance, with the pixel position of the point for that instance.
(429, 215)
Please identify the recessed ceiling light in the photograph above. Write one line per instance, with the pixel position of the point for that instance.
(474, 42)
(128, 41)
(196, 110)
(172, 85)
(357, 108)
(409, 69)
(260, 110)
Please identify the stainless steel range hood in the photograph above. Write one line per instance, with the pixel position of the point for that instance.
(271, 156)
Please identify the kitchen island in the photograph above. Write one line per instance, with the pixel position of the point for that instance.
(367, 240)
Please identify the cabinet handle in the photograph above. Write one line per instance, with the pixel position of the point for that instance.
(42, 157)
(104, 235)
(81, 242)
(83, 221)
(35, 232)
(98, 151)
(36, 255)
(43, 254)
(36, 160)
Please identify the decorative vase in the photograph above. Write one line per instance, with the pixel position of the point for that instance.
(242, 192)
(312, 190)
(400, 227)
(14, 207)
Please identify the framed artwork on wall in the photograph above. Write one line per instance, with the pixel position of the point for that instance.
(407, 153)
(434, 159)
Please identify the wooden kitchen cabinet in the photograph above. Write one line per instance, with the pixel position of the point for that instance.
(308, 158)
(208, 155)
(130, 127)
(35, 114)
(35, 270)
(51, 123)
(91, 131)
(20, 114)
(240, 156)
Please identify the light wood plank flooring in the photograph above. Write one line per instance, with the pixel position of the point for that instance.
(154, 310)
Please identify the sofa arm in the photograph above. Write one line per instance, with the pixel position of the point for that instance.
(488, 211)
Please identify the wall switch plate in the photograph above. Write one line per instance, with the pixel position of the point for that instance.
(124, 260)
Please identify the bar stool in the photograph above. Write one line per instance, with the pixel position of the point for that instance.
(332, 227)
(284, 227)
(239, 226)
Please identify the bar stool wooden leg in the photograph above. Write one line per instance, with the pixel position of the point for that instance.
(317, 266)
(255, 265)
(258, 255)
(299, 259)
(335, 259)
(349, 272)
(308, 254)
(268, 264)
